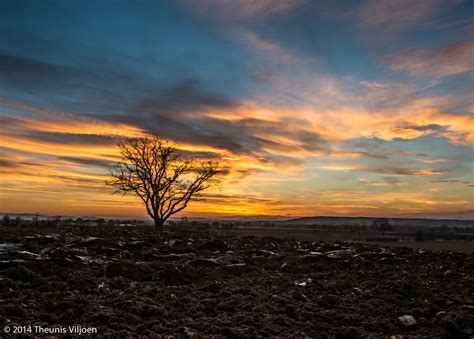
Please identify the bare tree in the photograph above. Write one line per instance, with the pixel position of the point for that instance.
(155, 170)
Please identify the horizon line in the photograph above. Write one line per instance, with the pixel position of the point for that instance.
(468, 218)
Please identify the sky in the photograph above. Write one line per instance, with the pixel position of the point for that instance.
(350, 108)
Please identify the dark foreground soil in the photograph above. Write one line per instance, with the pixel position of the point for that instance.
(131, 283)
(407, 240)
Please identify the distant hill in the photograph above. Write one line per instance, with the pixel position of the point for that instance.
(347, 221)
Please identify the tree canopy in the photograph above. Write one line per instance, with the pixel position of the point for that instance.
(156, 171)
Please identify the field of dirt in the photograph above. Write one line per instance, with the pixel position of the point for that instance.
(463, 246)
(134, 283)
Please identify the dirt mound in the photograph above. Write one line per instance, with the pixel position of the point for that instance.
(130, 283)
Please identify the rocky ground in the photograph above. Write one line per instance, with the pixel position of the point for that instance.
(132, 283)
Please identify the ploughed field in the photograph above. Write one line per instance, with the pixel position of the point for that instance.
(132, 282)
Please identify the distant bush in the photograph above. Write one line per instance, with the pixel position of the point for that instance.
(382, 225)
(6, 220)
(419, 235)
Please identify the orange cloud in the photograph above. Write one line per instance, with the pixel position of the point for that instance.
(51, 121)
(372, 183)
(343, 167)
(427, 172)
(433, 161)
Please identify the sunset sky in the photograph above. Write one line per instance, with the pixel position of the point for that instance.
(311, 107)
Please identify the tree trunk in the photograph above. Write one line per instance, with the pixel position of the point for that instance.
(159, 225)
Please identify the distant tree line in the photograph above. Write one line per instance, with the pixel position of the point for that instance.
(381, 227)
(59, 222)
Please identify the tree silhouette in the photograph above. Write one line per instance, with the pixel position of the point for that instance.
(154, 169)
(6, 220)
(381, 225)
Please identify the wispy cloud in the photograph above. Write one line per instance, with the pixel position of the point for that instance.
(343, 167)
(402, 171)
(238, 10)
(435, 62)
(398, 14)
(455, 181)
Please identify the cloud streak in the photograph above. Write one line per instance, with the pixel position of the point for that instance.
(396, 14)
(435, 62)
